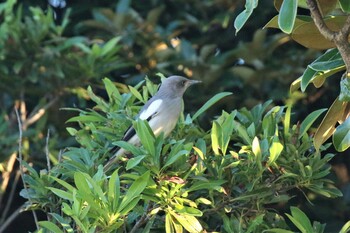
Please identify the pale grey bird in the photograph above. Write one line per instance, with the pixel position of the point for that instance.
(162, 112)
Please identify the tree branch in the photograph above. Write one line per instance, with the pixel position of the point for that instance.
(340, 38)
(20, 159)
(320, 24)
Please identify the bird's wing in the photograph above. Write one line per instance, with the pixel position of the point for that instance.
(147, 113)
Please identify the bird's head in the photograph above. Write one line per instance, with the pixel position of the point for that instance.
(176, 85)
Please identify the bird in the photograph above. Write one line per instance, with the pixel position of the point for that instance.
(162, 112)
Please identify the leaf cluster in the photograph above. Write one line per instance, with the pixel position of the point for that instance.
(226, 179)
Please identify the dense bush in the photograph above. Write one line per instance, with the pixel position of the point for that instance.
(225, 179)
(48, 57)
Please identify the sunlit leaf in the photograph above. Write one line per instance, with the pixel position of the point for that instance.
(327, 126)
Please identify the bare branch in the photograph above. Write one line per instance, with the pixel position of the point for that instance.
(20, 159)
(340, 38)
(11, 196)
(320, 24)
(12, 217)
(47, 153)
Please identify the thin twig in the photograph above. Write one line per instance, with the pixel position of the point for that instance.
(11, 195)
(144, 218)
(11, 218)
(20, 159)
(60, 156)
(47, 151)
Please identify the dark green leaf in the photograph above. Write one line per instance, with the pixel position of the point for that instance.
(309, 120)
(209, 103)
(135, 190)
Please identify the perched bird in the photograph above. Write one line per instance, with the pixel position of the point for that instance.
(162, 112)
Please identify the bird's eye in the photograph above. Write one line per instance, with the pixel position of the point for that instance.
(183, 83)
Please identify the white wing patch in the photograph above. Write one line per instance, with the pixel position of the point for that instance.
(151, 110)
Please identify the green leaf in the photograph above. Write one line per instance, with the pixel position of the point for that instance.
(216, 132)
(275, 150)
(134, 161)
(172, 159)
(169, 223)
(309, 73)
(128, 147)
(327, 126)
(62, 194)
(93, 185)
(344, 90)
(210, 103)
(110, 46)
(50, 226)
(300, 220)
(278, 230)
(242, 18)
(286, 17)
(69, 187)
(328, 65)
(111, 89)
(345, 5)
(136, 94)
(341, 136)
(86, 118)
(256, 148)
(81, 183)
(190, 223)
(345, 228)
(135, 190)
(209, 185)
(114, 189)
(146, 135)
(309, 120)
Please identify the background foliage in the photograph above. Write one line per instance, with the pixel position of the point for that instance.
(50, 54)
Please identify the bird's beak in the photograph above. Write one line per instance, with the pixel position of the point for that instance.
(191, 82)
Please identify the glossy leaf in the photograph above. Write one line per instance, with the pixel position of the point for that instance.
(344, 90)
(286, 17)
(341, 136)
(242, 18)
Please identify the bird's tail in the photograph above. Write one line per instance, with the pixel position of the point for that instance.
(117, 152)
